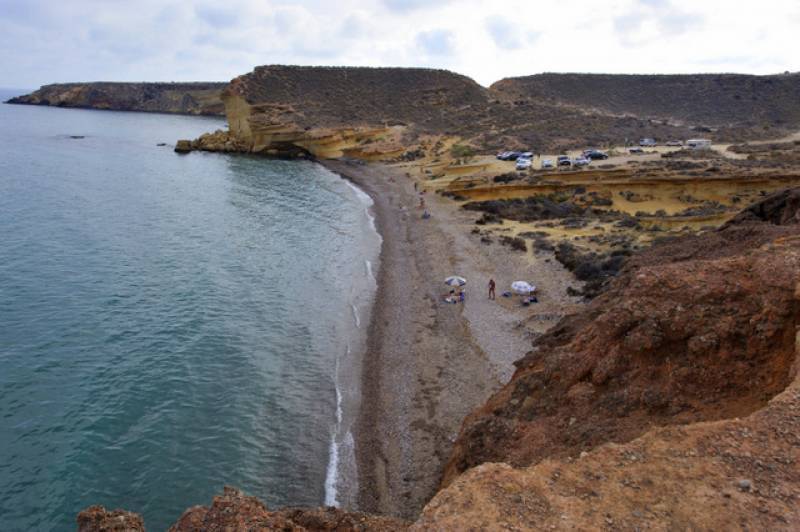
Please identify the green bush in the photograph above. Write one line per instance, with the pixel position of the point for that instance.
(460, 151)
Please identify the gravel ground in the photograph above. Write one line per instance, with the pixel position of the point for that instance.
(428, 364)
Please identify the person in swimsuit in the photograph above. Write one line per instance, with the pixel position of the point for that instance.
(491, 288)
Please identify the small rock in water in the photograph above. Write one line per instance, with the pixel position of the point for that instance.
(183, 146)
(77, 136)
(161, 144)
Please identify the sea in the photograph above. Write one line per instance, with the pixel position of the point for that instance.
(172, 324)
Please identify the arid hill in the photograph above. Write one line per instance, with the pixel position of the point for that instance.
(318, 97)
(201, 98)
(699, 100)
(382, 113)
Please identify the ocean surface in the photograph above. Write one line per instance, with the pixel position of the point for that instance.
(171, 324)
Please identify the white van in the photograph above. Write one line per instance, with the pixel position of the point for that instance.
(698, 144)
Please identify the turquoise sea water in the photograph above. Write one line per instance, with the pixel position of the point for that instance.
(171, 324)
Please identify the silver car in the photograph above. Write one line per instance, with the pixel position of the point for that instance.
(523, 163)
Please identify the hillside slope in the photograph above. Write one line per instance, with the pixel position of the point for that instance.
(382, 113)
(711, 100)
(201, 98)
(700, 328)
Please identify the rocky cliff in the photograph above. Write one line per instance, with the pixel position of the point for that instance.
(202, 98)
(382, 113)
(670, 402)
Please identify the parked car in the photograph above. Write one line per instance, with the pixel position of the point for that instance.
(563, 160)
(523, 163)
(674, 143)
(647, 142)
(594, 155)
(581, 161)
(526, 155)
(636, 151)
(509, 155)
(548, 163)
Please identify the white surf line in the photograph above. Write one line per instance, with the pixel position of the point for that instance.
(332, 473)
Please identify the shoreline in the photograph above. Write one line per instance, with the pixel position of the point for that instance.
(422, 371)
(427, 365)
(341, 477)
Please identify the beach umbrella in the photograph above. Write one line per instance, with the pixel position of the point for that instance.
(455, 280)
(522, 287)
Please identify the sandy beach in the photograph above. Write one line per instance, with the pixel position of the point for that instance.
(428, 363)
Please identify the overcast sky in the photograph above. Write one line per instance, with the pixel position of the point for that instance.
(45, 41)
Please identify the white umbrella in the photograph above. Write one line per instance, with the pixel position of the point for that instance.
(522, 287)
(455, 280)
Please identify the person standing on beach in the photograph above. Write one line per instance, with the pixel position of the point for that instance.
(491, 288)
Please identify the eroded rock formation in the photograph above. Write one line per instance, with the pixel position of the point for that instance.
(700, 328)
(235, 511)
(381, 113)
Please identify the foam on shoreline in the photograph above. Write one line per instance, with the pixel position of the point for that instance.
(341, 479)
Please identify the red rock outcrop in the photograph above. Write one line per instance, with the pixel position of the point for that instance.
(233, 510)
(98, 519)
(698, 329)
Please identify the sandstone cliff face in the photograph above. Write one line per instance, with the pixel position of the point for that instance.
(335, 112)
(379, 113)
(179, 98)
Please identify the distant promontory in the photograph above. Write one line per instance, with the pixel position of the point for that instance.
(195, 98)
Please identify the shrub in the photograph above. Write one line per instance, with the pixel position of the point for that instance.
(461, 151)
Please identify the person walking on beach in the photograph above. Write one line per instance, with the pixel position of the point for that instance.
(491, 288)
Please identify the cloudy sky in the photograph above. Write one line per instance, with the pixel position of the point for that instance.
(44, 41)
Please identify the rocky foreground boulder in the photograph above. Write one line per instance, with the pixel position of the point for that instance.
(671, 402)
(235, 511)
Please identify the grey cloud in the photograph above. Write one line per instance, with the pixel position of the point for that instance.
(436, 42)
(217, 17)
(405, 5)
(507, 35)
(668, 21)
(353, 27)
(503, 33)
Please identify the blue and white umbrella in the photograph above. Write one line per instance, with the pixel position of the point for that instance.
(455, 280)
(522, 287)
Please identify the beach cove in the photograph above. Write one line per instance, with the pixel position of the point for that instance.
(429, 363)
